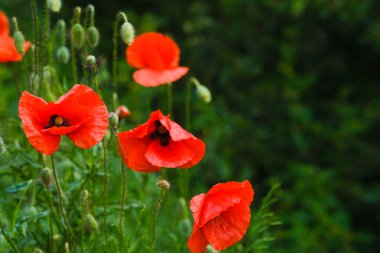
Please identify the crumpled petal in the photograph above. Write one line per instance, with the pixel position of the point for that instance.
(229, 227)
(4, 25)
(151, 78)
(197, 242)
(29, 109)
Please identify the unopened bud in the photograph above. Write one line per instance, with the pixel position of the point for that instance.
(163, 184)
(54, 5)
(38, 250)
(90, 61)
(127, 33)
(57, 237)
(63, 55)
(204, 93)
(93, 36)
(31, 211)
(77, 35)
(46, 176)
(66, 248)
(61, 32)
(91, 223)
(46, 73)
(19, 41)
(113, 118)
(122, 112)
(3, 148)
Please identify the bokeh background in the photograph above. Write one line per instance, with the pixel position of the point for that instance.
(296, 88)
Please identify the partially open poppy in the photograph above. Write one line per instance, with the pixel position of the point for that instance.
(80, 114)
(221, 216)
(8, 51)
(122, 112)
(156, 57)
(160, 142)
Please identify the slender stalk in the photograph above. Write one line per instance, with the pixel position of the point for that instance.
(105, 194)
(9, 240)
(123, 193)
(18, 208)
(169, 89)
(60, 199)
(156, 211)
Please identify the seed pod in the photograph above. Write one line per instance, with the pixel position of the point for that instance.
(63, 55)
(19, 41)
(127, 33)
(93, 36)
(54, 5)
(91, 223)
(77, 35)
(46, 176)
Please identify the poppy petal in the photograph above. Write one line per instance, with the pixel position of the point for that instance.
(198, 148)
(173, 155)
(151, 78)
(4, 25)
(197, 241)
(229, 227)
(196, 204)
(134, 150)
(84, 105)
(29, 109)
(61, 130)
(5, 54)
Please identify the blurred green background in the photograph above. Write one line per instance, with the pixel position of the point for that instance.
(296, 88)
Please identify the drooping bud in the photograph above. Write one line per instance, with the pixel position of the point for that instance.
(127, 33)
(91, 223)
(63, 55)
(3, 148)
(204, 93)
(46, 176)
(93, 36)
(122, 112)
(77, 35)
(54, 5)
(163, 184)
(19, 41)
(113, 119)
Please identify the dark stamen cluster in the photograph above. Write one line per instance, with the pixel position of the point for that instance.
(160, 132)
(56, 120)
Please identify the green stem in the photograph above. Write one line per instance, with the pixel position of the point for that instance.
(60, 199)
(9, 240)
(18, 208)
(170, 99)
(123, 193)
(105, 195)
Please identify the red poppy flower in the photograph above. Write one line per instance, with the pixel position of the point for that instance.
(122, 112)
(157, 58)
(160, 142)
(8, 51)
(80, 114)
(221, 216)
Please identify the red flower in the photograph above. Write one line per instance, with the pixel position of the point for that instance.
(122, 112)
(157, 58)
(80, 114)
(160, 142)
(221, 216)
(8, 51)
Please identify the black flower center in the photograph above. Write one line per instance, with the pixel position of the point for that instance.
(58, 121)
(160, 132)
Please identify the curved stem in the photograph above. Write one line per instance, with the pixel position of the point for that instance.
(156, 211)
(9, 240)
(105, 194)
(60, 199)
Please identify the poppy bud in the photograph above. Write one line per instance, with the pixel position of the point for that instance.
(127, 33)
(91, 223)
(77, 35)
(46, 74)
(90, 61)
(35, 80)
(19, 41)
(113, 118)
(93, 36)
(2, 146)
(63, 55)
(204, 93)
(122, 112)
(57, 237)
(163, 184)
(61, 32)
(66, 248)
(54, 5)
(185, 227)
(46, 176)
(38, 250)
